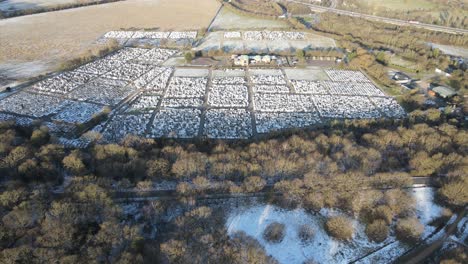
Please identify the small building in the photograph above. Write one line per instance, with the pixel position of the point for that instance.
(242, 60)
(257, 58)
(444, 92)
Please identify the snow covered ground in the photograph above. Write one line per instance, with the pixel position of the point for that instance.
(322, 248)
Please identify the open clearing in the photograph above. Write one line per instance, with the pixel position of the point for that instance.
(13, 5)
(451, 50)
(227, 19)
(55, 36)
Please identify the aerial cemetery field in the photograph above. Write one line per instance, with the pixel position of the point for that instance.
(150, 100)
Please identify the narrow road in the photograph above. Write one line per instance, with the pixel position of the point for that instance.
(399, 22)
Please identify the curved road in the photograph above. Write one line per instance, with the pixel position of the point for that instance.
(393, 21)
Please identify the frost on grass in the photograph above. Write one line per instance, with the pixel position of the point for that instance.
(35, 105)
(228, 123)
(228, 96)
(78, 112)
(176, 123)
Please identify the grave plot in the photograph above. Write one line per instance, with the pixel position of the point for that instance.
(154, 56)
(308, 87)
(270, 88)
(333, 106)
(103, 91)
(144, 103)
(62, 83)
(227, 73)
(126, 54)
(228, 96)
(353, 88)
(291, 35)
(150, 35)
(186, 87)
(346, 76)
(124, 125)
(181, 102)
(119, 34)
(265, 102)
(268, 122)
(232, 35)
(183, 35)
(35, 105)
(128, 71)
(100, 67)
(253, 35)
(268, 79)
(20, 121)
(389, 107)
(158, 84)
(78, 113)
(228, 124)
(176, 123)
(149, 76)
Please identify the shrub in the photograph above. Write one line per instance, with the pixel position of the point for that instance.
(409, 230)
(306, 233)
(274, 232)
(377, 231)
(339, 227)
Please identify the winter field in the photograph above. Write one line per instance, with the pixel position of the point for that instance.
(47, 39)
(151, 100)
(227, 19)
(321, 248)
(264, 41)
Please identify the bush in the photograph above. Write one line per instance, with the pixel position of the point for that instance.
(274, 232)
(409, 230)
(306, 233)
(377, 231)
(339, 227)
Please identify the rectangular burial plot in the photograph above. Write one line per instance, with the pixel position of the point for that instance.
(150, 35)
(125, 125)
(100, 66)
(119, 34)
(389, 107)
(182, 102)
(232, 35)
(271, 76)
(267, 102)
(228, 76)
(186, 87)
(334, 106)
(346, 76)
(268, 122)
(129, 71)
(176, 123)
(35, 105)
(149, 76)
(309, 87)
(353, 88)
(144, 103)
(154, 56)
(272, 88)
(62, 83)
(228, 124)
(126, 54)
(228, 96)
(158, 84)
(183, 35)
(310, 74)
(78, 113)
(103, 91)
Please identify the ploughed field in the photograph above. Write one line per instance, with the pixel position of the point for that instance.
(151, 100)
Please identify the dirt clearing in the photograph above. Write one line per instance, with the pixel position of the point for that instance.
(56, 36)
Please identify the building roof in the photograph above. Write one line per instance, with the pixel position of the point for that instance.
(444, 91)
